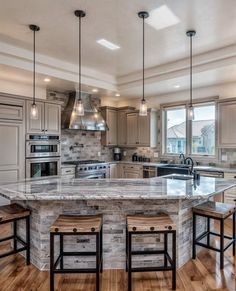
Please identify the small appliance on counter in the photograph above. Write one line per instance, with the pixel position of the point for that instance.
(117, 154)
(134, 157)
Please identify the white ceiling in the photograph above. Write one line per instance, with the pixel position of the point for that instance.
(117, 21)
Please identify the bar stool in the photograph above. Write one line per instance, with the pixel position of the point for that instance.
(13, 213)
(218, 211)
(70, 225)
(142, 225)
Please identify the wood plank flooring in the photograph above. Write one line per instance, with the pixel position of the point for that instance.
(201, 274)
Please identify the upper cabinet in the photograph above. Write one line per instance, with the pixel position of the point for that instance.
(142, 130)
(226, 121)
(49, 120)
(109, 137)
(122, 125)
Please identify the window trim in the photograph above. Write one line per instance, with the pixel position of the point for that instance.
(197, 103)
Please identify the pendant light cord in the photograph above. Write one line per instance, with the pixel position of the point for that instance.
(191, 71)
(143, 59)
(80, 58)
(34, 69)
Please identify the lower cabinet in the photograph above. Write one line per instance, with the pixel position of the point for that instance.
(230, 195)
(132, 171)
(12, 148)
(68, 172)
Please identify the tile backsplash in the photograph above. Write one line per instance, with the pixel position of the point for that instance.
(83, 145)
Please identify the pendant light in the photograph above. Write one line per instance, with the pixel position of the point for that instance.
(143, 104)
(190, 34)
(80, 105)
(34, 114)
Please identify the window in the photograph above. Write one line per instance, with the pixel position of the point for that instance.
(203, 130)
(196, 137)
(175, 130)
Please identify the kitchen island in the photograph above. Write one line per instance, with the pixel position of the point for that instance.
(114, 198)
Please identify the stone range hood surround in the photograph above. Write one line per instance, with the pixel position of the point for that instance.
(92, 119)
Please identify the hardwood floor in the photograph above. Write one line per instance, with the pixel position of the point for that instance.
(202, 274)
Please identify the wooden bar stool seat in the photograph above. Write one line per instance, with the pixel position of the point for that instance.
(143, 225)
(12, 213)
(75, 223)
(219, 211)
(66, 225)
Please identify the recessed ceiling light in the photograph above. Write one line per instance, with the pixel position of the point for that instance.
(117, 95)
(108, 44)
(47, 80)
(162, 17)
(95, 90)
(177, 86)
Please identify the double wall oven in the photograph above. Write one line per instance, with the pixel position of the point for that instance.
(42, 155)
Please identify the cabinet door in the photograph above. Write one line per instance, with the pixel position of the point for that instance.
(52, 118)
(121, 127)
(132, 129)
(144, 130)
(35, 125)
(112, 125)
(131, 175)
(226, 121)
(113, 171)
(12, 153)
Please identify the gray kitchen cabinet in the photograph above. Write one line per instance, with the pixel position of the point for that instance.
(226, 121)
(114, 171)
(142, 130)
(49, 120)
(12, 145)
(230, 195)
(122, 125)
(131, 171)
(109, 137)
(52, 118)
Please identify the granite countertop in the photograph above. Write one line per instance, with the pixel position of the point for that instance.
(62, 188)
(156, 164)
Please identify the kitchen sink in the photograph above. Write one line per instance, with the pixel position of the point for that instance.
(178, 177)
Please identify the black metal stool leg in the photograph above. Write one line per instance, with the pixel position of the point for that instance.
(194, 237)
(126, 248)
(97, 261)
(101, 250)
(165, 248)
(208, 230)
(221, 243)
(28, 240)
(234, 235)
(129, 262)
(51, 262)
(15, 234)
(174, 261)
(61, 251)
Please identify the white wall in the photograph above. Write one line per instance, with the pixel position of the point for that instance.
(21, 89)
(223, 91)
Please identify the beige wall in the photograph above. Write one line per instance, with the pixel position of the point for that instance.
(21, 89)
(223, 91)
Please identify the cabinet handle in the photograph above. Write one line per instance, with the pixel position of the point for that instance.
(234, 177)
(137, 142)
(68, 171)
(46, 130)
(42, 130)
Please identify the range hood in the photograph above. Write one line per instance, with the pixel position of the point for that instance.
(92, 119)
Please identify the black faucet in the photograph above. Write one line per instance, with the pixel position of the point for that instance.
(182, 158)
(186, 161)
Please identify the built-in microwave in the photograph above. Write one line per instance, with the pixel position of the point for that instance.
(38, 146)
(43, 167)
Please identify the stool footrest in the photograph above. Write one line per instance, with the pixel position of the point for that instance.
(63, 271)
(78, 254)
(12, 252)
(151, 269)
(151, 252)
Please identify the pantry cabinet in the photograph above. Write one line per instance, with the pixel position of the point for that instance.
(49, 119)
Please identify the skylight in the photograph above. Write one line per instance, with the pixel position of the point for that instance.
(108, 44)
(162, 17)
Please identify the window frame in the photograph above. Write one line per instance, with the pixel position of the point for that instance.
(185, 105)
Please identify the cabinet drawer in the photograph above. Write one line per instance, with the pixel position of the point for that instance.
(11, 112)
(68, 171)
(230, 175)
(133, 167)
